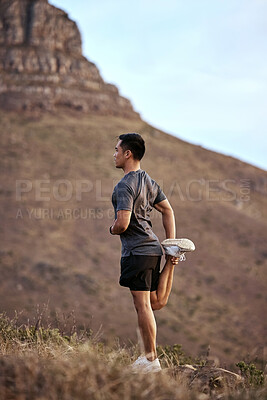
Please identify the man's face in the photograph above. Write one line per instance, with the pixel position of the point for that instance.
(119, 157)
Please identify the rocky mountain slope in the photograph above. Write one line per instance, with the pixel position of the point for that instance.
(42, 66)
(57, 175)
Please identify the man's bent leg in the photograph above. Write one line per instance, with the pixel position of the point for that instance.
(146, 322)
(159, 297)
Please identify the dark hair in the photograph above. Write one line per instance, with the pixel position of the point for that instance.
(133, 142)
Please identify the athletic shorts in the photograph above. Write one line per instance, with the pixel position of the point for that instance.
(140, 272)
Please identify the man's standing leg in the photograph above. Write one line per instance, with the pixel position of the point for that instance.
(146, 322)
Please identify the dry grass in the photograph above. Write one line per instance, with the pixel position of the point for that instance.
(39, 363)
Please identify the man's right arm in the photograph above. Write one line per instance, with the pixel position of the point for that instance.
(124, 205)
(121, 223)
(168, 219)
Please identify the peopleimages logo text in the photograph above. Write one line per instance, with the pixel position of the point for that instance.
(195, 190)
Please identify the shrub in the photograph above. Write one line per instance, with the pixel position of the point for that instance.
(252, 375)
(174, 355)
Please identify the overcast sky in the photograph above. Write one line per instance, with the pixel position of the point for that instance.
(194, 68)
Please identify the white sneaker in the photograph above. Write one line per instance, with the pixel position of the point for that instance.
(177, 247)
(140, 360)
(143, 365)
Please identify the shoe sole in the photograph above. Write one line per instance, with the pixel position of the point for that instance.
(183, 244)
(145, 370)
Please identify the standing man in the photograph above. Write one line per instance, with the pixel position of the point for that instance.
(133, 199)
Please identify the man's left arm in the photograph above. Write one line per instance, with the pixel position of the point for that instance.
(121, 223)
(168, 219)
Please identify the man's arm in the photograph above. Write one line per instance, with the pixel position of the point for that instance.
(121, 223)
(168, 219)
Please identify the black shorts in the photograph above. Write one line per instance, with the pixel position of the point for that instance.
(140, 272)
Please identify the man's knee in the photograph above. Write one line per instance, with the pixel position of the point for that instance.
(140, 303)
(158, 305)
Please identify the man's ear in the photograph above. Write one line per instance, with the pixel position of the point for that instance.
(128, 153)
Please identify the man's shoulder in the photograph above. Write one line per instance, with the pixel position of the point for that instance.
(134, 179)
(127, 183)
(127, 180)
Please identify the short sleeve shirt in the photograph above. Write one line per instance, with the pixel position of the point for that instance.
(138, 193)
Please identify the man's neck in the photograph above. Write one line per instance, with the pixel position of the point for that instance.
(131, 167)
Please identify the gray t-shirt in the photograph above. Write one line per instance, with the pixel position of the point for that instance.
(138, 193)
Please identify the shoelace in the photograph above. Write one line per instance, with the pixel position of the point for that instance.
(182, 257)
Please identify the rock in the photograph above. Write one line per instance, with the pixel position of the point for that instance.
(42, 66)
(207, 379)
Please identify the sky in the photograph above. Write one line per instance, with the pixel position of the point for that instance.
(196, 69)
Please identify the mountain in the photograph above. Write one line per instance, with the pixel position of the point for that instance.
(42, 66)
(57, 176)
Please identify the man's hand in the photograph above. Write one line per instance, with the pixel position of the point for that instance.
(174, 260)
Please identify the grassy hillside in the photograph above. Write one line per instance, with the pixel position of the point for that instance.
(45, 363)
(56, 249)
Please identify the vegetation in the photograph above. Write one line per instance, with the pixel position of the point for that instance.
(174, 355)
(39, 362)
(252, 375)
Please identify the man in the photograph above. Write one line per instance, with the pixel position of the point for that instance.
(133, 199)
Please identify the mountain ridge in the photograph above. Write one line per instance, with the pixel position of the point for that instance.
(42, 66)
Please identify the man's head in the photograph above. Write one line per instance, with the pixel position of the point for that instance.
(131, 146)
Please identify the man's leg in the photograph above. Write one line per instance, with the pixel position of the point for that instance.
(146, 322)
(159, 297)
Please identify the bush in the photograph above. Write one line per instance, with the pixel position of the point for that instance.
(10, 332)
(252, 375)
(174, 355)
